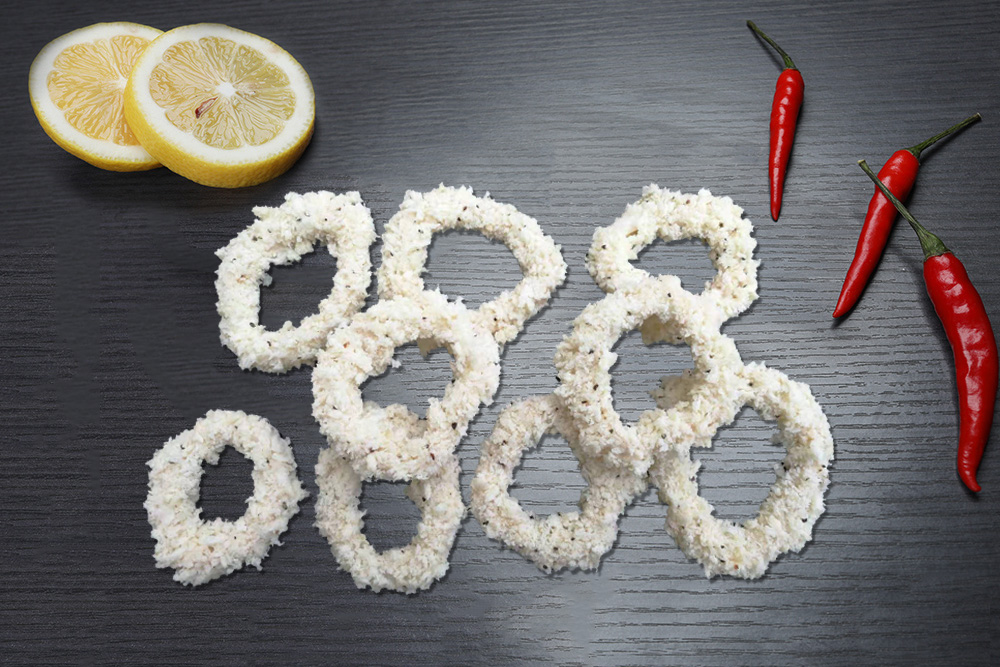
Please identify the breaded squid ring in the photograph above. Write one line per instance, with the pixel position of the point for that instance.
(281, 236)
(364, 348)
(416, 566)
(408, 234)
(558, 541)
(199, 550)
(673, 216)
(584, 358)
(795, 502)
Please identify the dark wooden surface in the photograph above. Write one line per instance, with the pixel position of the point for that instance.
(109, 343)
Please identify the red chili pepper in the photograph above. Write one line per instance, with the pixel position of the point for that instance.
(784, 115)
(961, 311)
(898, 174)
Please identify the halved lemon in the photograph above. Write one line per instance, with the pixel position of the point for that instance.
(220, 106)
(76, 84)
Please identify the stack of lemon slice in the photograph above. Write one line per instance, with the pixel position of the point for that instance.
(220, 106)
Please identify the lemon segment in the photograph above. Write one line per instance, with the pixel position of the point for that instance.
(77, 84)
(220, 106)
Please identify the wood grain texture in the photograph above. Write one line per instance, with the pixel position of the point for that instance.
(109, 342)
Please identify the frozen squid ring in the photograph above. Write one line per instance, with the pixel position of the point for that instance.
(558, 541)
(584, 358)
(281, 236)
(416, 566)
(408, 235)
(795, 502)
(362, 432)
(673, 216)
(199, 550)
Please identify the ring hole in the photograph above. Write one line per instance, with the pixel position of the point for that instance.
(738, 471)
(226, 486)
(548, 479)
(638, 372)
(390, 517)
(467, 264)
(297, 288)
(688, 259)
(413, 382)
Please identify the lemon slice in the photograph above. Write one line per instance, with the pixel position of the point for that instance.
(220, 106)
(76, 85)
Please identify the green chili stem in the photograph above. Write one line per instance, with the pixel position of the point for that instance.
(931, 244)
(788, 59)
(916, 150)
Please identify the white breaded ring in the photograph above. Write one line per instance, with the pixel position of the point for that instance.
(408, 234)
(558, 541)
(201, 550)
(414, 567)
(281, 236)
(364, 348)
(584, 358)
(673, 216)
(795, 502)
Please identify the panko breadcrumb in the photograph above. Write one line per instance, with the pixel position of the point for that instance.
(673, 216)
(416, 566)
(584, 359)
(558, 541)
(281, 236)
(408, 235)
(364, 348)
(795, 502)
(200, 550)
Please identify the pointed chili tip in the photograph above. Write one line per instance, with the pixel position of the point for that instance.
(972, 485)
(775, 210)
(970, 481)
(845, 302)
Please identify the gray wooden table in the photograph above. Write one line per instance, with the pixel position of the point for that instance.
(109, 343)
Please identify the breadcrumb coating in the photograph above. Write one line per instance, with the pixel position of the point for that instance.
(283, 235)
(574, 540)
(340, 520)
(408, 235)
(362, 432)
(199, 550)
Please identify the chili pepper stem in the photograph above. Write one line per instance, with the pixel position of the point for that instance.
(930, 243)
(788, 60)
(916, 150)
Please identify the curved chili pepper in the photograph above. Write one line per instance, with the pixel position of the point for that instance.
(784, 115)
(898, 174)
(961, 311)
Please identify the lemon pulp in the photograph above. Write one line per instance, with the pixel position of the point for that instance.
(226, 95)
(87, 84)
